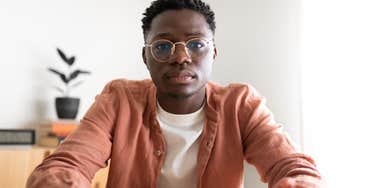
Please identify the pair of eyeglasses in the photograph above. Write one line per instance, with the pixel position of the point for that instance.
(163, 49)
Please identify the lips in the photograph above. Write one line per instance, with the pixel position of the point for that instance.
(179, 74)
(180, 77)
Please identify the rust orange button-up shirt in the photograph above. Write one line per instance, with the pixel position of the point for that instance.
(121, 125)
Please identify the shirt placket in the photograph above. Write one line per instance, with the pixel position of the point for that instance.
(205, 149)
(159, 151)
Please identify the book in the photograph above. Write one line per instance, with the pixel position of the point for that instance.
(59, 128)
(53, 133)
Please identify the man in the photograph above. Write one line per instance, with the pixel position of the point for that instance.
(178, 130)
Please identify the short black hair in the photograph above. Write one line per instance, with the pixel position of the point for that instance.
(159, 6)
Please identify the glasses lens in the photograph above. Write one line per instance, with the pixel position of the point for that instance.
(196, 46)
(162, 49)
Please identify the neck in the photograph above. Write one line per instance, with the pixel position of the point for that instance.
(181, 105)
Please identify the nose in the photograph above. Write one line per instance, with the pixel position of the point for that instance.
(181, 55)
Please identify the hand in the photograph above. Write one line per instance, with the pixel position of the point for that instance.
(300, 182)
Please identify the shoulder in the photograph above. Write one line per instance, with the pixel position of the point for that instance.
(120, 84)
(238, 96)
(237, 90)
(119, 89)
(125, 85)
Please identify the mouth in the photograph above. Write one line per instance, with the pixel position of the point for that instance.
(180, 77)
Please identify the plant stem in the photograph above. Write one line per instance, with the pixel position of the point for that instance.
(66, 92)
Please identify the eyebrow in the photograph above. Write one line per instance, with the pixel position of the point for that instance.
(167, 34)
(162, 35)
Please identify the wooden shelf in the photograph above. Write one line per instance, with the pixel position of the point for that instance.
(16, 164)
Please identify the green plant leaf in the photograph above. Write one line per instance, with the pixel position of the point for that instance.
(76, 84)
(75, 74)
(59, 89)
(71, 60)
(67, 60)
(61, 75)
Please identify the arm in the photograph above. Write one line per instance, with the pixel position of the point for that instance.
(271, 151)
(84, 152)
(301, 181)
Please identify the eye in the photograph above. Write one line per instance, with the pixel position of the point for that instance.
(195, 44)
(162, 47)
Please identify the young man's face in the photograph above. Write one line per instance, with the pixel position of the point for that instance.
(181, 75)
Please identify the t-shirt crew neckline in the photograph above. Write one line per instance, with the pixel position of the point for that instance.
(181, 120)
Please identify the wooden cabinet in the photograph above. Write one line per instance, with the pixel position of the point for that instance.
(16, 164)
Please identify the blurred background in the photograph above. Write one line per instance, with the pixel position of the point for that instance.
(313, 60)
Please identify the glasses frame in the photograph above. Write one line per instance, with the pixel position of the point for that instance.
(184, 43)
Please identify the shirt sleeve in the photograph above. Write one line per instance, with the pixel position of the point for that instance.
(267, 146)
(84, 152)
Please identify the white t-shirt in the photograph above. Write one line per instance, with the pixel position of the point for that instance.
(181, 133)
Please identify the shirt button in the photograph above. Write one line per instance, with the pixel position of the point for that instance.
(158, 153)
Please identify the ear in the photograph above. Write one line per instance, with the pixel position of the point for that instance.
(144, 58)
(215, 53)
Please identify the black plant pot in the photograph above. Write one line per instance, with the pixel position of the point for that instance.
(67, 107)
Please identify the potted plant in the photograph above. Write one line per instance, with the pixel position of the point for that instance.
(67, 106)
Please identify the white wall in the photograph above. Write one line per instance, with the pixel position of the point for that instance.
(339, 65)
(257, 43)
(105, 35)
